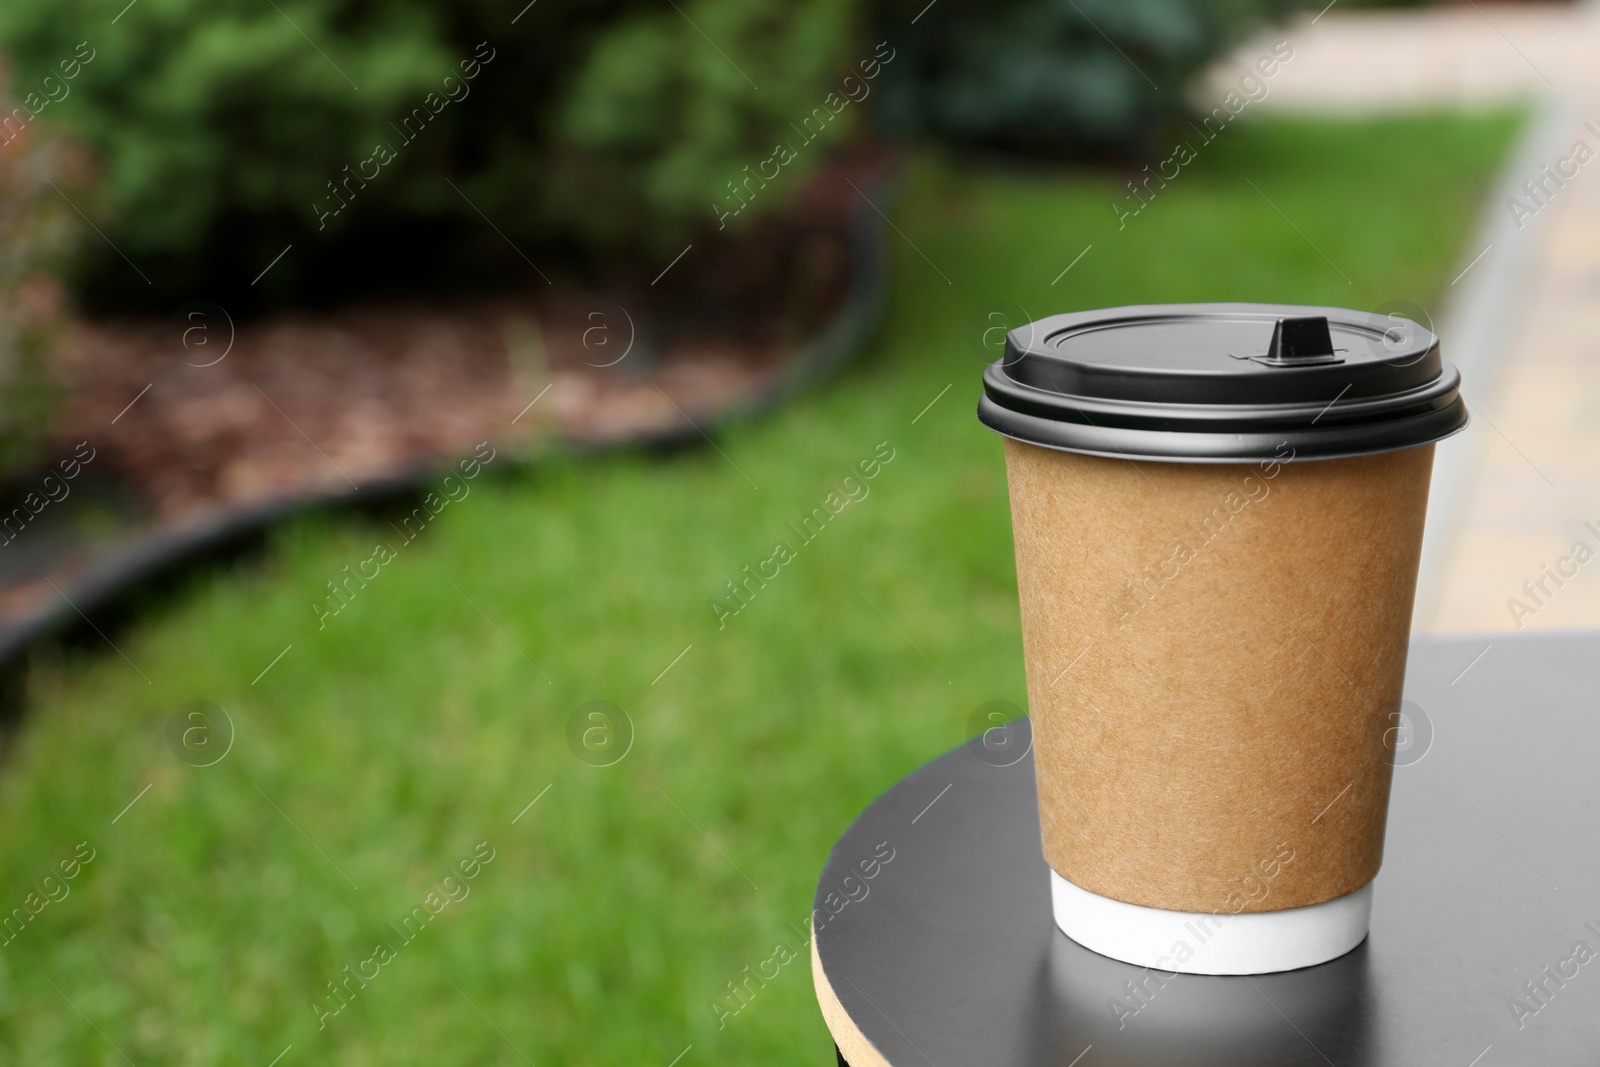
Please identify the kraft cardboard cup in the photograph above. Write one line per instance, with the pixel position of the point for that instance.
(1218, 514)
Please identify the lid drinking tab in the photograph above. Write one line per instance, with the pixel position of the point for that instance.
(1300, 340)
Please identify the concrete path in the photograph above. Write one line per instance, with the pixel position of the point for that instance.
(1409, 59)
(1514, 527)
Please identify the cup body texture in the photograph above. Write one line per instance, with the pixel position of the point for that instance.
(1215, 654)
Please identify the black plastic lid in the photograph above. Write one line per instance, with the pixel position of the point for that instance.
(1219, 383)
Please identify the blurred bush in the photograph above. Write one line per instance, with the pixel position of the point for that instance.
(228, 129)
(37, 228)
(657, 123)
(217, 125)
(1057, 78)
(424, 140)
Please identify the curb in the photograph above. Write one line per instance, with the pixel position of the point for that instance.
(1477, 327)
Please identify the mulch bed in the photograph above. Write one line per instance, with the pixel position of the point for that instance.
(312, 403)
(200, 423)
(199, 412)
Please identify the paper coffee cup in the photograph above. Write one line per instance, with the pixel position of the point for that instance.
(1218, 514)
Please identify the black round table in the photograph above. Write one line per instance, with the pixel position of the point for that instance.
(1485, 942)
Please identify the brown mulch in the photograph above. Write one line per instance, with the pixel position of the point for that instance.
(302, 402)
(199, 413)
(197, 418)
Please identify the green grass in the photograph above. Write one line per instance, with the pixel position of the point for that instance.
(409, 729)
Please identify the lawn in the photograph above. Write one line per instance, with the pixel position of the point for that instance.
(383, 767)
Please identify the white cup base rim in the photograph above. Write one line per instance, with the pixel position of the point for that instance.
(1258, 942)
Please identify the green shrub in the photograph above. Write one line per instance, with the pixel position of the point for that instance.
(228, 129)
(1054, 77)
(218, 124)
(37, 226)
(429, 139)
(659, 122)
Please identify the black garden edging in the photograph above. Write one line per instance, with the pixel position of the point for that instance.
(111, 578)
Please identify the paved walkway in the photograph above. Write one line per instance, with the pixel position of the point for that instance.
(1413, 58)
(1514, 532)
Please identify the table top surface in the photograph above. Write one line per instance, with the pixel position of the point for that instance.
(947, 955)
